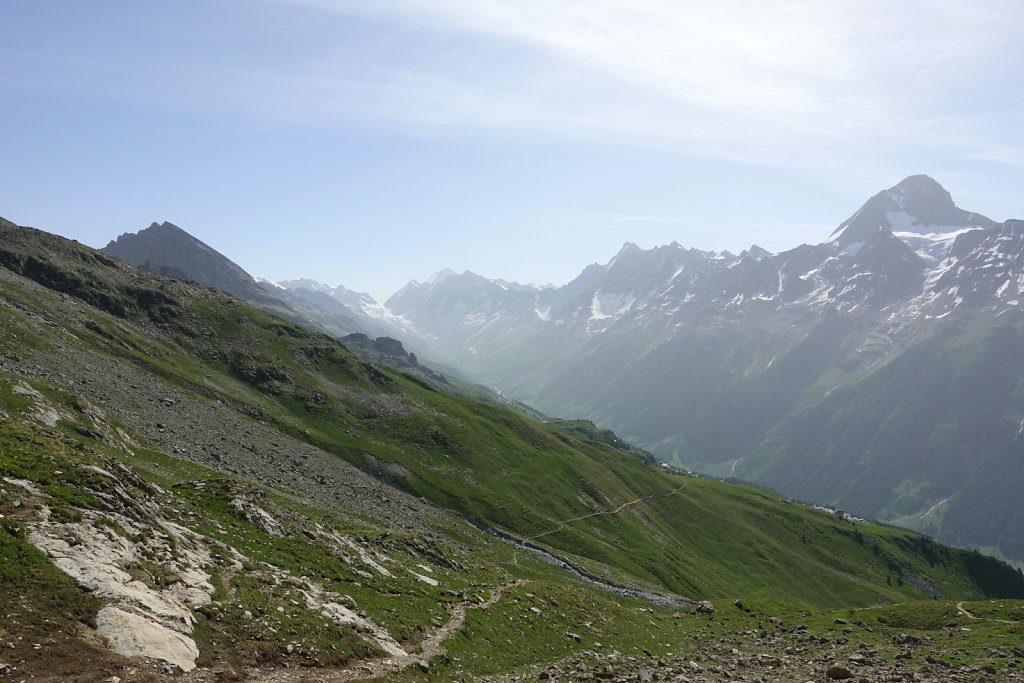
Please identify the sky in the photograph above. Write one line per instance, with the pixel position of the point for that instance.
(370, 142)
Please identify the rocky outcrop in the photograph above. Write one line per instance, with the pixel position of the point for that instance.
(133, 635)
(258, 517)
(704, 607)
(151, 578)
(42, 411)
(330, 606)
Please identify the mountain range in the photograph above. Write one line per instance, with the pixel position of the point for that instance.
(880, 371)
(189, 483)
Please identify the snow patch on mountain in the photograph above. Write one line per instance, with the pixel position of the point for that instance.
(605, 305)
(271, 283)
(933, 245)
(379, 311)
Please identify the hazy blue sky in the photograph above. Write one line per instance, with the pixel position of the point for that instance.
(367, 142)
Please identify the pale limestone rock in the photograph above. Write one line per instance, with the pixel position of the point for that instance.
(258, 517)
(132, 635)
(136, 621)
(25, 484)
(319, 600)
(42, 412)
(424, 579)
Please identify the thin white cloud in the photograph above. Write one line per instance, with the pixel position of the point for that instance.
(744, 79)
(1008, 156)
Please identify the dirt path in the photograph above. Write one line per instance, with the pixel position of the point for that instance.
(615, 511)
(432, 646)
(963, 610)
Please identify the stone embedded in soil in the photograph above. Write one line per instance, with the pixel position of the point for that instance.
(133, 635)
(838, 673)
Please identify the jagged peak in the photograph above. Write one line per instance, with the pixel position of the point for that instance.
(628, 249)
(916, 204)
(756, 251)
(305, 283)
(920, 183)
(164, 226)
(154, 231)
(921, 194)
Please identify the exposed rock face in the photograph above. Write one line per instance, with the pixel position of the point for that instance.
(163, 248)
(391, 352)
(139, 620)
(112, 554)
(389, 346)
(258, 517)
(42, 412)
(328, 605)
(705, 607)
(133, 635)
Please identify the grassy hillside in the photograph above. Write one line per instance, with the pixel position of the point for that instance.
(215, 402)
(483, 461)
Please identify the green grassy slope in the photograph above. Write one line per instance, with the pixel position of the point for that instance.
(543, 618)
(697, 538)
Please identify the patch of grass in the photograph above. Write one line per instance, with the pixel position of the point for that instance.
(40, 603)
(261, 622)
(543, 621)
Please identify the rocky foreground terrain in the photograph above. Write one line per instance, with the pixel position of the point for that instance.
(778, 653)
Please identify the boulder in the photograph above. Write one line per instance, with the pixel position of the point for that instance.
(838, 673)
(258, 517)
(132, 635)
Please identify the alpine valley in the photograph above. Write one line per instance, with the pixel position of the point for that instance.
(880, 371)
(195, 488)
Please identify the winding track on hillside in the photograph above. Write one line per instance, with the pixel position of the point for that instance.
(431, 646)
(963, 610)
(615, 511)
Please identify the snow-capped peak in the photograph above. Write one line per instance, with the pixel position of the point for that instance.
(917, 204)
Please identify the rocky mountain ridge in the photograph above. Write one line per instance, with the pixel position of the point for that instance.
(168, 250)
(902, 241)
(716, 361)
